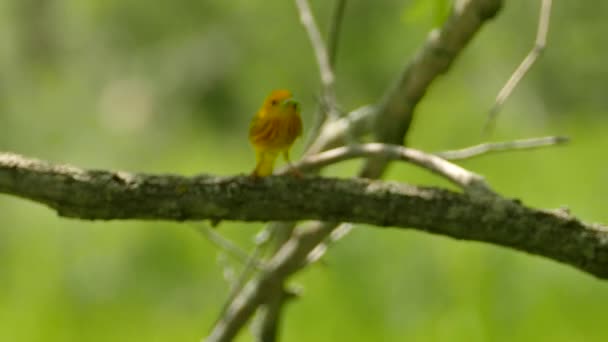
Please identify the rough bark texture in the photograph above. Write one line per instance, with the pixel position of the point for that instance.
(105, 195)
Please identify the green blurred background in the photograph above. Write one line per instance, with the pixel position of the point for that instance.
(170, 86)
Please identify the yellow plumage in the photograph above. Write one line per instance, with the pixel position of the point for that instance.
(273, 130)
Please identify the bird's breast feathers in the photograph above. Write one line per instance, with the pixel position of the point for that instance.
(275, 132)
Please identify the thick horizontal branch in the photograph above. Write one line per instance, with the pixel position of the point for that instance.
(106, 195)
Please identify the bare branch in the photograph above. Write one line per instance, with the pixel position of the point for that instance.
(328, 103)
(228, 246)
(290, 258)
(524, 67)
(468, 180)
(336, 235)
(104, 195)
(396, 109)
(338, 132)
(503, 146)
(266, 326)
(118, 195)
(334, 31)
(327, 74)
(268, 317)
(240, 281)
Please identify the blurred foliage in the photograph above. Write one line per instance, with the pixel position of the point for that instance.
(171, 86)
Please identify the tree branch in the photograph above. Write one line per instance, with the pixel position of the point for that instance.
(105, 195)
(324, 57)
(333, 37)
(468, 180)
(308, 21)
(228, 246)
(395, 111)
(524, 66)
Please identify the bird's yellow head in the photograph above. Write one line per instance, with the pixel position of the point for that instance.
(278, 101)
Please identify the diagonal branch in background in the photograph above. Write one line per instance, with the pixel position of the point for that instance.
(524, 67)
(442, 46)
(228, 246)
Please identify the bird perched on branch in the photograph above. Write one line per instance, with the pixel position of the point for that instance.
(273, 130)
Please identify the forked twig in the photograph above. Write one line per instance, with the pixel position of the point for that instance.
(526, 64)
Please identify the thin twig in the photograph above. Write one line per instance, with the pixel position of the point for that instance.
(336, 235)
(468, 180)
(327, 74)
(228, 246)
(345, 129)
(524, 67)
(227, 269)
(251, 265)
(334, 31)
(503, 146)
(251, 261)
(325, 60)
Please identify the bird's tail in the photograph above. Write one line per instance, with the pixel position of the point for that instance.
(265, 164)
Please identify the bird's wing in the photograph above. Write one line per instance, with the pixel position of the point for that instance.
(297, 126)
(262, 131)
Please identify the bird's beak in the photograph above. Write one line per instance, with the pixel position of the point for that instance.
(291, 103)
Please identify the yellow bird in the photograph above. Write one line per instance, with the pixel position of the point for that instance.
(273, 130)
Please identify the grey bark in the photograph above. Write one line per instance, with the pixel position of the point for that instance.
(106, 195)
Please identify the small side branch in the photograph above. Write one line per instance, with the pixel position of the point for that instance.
(539, 46)
(503, 146)
(325, 57)
(229, 247)
(321, 55)
(334, 31)
(467, 180)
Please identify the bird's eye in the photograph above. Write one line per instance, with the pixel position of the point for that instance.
(274, 102)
